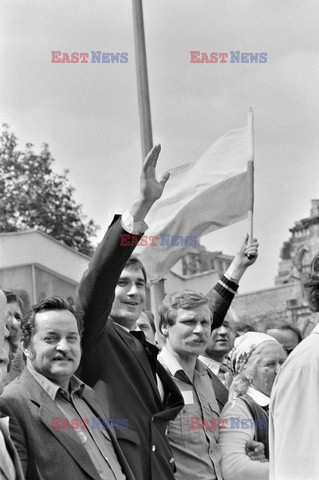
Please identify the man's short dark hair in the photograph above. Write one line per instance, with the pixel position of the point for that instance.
(136, 264)
(46, 305)
(185, 299)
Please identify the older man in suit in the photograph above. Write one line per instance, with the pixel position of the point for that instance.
(55, 416)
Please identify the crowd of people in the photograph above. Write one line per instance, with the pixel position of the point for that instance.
(97, 399)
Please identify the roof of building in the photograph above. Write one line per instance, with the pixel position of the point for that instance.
(266, 301)
(35, 247)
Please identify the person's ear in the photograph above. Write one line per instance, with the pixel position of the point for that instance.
(28, 351)
(164, 331)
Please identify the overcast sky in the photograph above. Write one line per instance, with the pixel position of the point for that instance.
(88, 113)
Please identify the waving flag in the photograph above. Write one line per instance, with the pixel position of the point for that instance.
(200, 197)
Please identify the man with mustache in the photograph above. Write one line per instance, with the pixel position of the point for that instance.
(186, 323)
(54, 414)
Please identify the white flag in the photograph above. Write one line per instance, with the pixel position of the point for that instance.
(199, 197)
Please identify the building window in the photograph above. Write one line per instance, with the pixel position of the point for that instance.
(305, 262)
(191, 265)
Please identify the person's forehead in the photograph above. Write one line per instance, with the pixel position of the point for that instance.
(224, 325)
(201, 311)
(143, 323)
(56, 320)
(269, 349)
(132, 273)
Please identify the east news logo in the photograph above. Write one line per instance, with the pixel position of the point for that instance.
(225, 57)
(83, 57)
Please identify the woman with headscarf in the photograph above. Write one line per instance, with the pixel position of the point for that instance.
(255, 361)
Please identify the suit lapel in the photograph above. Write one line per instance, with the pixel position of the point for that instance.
(47, 410)
(130, 342)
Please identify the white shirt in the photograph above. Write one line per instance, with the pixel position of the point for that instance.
(259, 397)
(294, 415)
(210, 363)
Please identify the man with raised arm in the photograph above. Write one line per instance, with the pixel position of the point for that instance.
(117, 362)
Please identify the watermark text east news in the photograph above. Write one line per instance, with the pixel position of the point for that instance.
(228, 57)
(94, 56)
(234, 423)
(59, 423)
(164, 240)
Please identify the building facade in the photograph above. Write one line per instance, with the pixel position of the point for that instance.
(36, 265)
(286, 300)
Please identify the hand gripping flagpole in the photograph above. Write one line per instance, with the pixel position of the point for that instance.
(250, 173)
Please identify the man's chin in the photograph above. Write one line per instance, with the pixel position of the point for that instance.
(197, 348)
(127, 318)
(63, 369)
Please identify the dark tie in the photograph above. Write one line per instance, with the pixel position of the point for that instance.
(221, 373)
(140, 336)
(151, 350)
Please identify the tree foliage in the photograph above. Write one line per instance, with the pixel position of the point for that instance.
(33, 196)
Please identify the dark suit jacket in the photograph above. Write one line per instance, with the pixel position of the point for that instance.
(12, 452)
(47, 453)
(117, 366)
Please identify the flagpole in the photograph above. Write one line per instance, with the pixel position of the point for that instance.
(250, 172)
(157, 291)
(142, 79)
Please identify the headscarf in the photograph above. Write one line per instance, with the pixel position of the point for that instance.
(244, 347)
